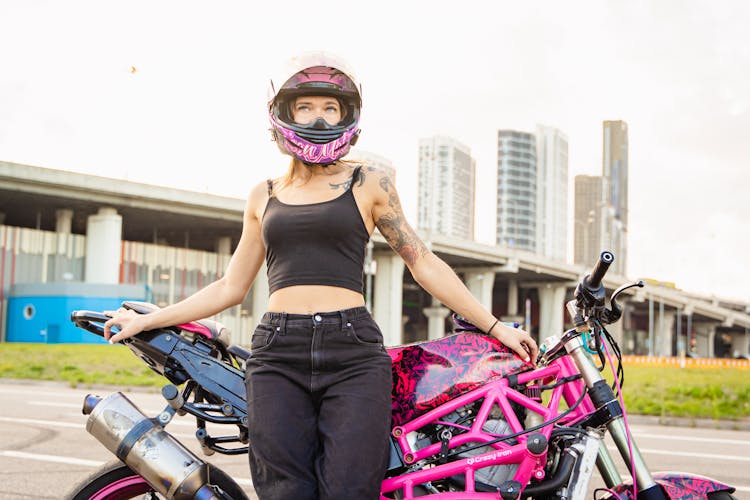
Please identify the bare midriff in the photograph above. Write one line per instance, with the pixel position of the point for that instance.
(310, 299)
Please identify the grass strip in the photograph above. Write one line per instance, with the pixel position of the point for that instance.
(77, 364)
(662, 391)
(694, 393)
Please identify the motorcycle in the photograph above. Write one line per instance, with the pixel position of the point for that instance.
(471, 420)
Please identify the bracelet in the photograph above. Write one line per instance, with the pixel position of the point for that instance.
(489, 330)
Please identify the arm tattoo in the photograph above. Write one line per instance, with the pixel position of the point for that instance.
(387, 186)
(401, 237)
(396, 231)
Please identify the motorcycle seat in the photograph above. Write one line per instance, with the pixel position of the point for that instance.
(207, 328)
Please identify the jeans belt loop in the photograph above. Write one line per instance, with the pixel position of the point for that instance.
(344, 320)
(282, 323)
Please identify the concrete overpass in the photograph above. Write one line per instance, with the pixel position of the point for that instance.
(513, 284)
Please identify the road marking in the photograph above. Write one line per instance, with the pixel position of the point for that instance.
(79, 406)
(736, 458)
(690, 438)
(175, 421)
(32, 390)
(50, 403)
(50, 458)
(242, 481)
(82, 425)
(94, 463)
(52, 423)
(627, 475)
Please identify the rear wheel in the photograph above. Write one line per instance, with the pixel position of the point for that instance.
(117, 481)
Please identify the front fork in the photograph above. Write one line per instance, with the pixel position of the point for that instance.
(601, 394)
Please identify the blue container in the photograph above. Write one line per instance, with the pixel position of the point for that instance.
(41, 312)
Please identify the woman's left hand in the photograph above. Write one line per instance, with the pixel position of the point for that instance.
(518, 340)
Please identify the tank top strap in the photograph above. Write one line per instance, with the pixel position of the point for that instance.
(355, 176)
(270, 187)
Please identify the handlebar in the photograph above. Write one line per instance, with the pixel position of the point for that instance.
(590, 293)
(600, 269)
(90, 321)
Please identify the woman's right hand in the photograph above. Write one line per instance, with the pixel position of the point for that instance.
(127, 321)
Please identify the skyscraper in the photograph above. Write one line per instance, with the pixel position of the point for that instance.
(551, 193)
(516, 190)
(615, 167)
(601, 213)
(615, 176)
(587, 244)
(447, 177)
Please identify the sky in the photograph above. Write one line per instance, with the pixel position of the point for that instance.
(174, 93)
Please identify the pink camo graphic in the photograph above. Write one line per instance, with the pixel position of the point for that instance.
(678, 486)
(428, 374)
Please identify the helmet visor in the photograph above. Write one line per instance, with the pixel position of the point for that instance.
(320, 79)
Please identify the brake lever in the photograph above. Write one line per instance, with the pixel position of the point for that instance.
(612, 315)
(90, 321)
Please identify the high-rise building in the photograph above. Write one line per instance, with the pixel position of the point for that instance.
(615, 167)
(601, 213)
(516, 190)
(586, 229)
(551, 193)
(447, 178)
(615, 175)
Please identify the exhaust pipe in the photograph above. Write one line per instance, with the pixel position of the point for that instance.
(143, 444)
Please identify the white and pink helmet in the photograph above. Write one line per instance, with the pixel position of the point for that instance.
(315, 73)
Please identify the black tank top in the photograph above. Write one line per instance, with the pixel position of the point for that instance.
(315, 243)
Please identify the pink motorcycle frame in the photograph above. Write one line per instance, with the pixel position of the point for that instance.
(496, 390)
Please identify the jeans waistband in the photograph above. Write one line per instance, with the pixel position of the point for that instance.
(341, 317)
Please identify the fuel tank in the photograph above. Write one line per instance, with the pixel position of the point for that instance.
(427, 374)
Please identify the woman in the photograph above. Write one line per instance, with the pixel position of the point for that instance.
(319, 379)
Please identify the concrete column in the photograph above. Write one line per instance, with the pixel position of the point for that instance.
(711, 341)
(63, 228)
(513, 315)
(103, 241)
(666, 332)
(259, 295)
(551, 304)
(387, 301)
(512, 298)
(689, 334)
(616, 331)
(63, 221)
(651, 327)
(224, 245)
(739, 343)
(436, 315)
(480, 285)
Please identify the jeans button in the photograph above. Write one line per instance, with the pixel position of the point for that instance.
(318, 318)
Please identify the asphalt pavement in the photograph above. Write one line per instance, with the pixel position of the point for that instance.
(45, 449)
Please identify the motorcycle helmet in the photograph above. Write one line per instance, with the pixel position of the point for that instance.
(318, 142)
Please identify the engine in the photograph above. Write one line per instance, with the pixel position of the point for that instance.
(498, 474)
(491, 476)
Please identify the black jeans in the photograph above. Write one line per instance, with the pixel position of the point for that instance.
(319, 406)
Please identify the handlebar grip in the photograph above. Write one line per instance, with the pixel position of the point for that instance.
(90, 321)
(600, 269)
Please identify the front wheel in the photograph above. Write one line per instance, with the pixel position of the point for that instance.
(117, 481)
